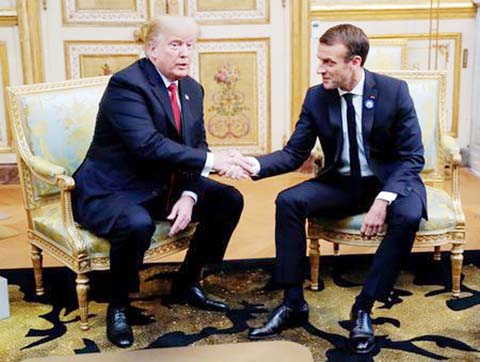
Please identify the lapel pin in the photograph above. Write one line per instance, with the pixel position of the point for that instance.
(187, 97)
(370, 103)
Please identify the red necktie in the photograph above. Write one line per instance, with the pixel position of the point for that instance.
(172, 88)
(175, 107)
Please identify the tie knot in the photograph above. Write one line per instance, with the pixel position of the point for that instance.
(172, 87)
(348, 97)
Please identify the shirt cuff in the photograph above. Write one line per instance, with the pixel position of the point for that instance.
(207, 168)
(191, 194)
(255, 165)
(387, 196)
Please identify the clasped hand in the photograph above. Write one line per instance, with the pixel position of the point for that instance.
(233, 164)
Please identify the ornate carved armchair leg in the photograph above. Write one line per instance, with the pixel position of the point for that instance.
(37, 260)
(82, 295)
(314, 263)
(437, 255)
(456, 258)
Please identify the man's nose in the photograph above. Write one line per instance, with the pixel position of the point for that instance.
(320, 70)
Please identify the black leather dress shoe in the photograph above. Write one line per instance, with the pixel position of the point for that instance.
(195, 297)
(119, 331)
(283, 317)
(362, 338)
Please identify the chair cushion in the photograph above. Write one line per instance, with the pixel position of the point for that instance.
(50, 224)
(441, 216)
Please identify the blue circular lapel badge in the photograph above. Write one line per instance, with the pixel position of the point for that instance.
(369, 103)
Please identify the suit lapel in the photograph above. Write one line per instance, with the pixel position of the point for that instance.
(186, 114)
(368, 104)
(159, 89)
(335, 118)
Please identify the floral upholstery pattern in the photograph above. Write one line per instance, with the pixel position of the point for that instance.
(59, 125)
(50, 224)
(441, 217)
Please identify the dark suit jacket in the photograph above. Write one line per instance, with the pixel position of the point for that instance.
(391, 135)
(136, 146)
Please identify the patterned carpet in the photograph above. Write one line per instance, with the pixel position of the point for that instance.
(420, 322)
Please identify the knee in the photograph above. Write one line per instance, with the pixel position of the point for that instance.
(405, 219)
(234, 199)
(141, 227)
(287, 199)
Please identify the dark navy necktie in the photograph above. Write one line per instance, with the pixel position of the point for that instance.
(352, 140)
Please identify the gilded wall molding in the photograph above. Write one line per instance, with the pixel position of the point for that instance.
(228, 12)
(76, 51)
(300, 50)
(30, 40)
(388, 10)
(7, 148)
(75, 14)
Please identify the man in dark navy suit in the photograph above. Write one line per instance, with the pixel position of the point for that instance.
(371, 140)
(147, 161)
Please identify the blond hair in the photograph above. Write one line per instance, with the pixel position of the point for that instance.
(163, 24)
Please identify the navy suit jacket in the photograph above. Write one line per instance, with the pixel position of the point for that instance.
(391, 135)
(136, 146)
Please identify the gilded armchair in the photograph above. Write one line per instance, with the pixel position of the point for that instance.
(446, 224)
(52, 127)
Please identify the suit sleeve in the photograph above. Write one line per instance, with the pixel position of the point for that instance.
(125, 106)
(408, 145)
(297, 149)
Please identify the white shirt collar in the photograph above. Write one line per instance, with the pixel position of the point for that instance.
(358, 89)
(167, 81)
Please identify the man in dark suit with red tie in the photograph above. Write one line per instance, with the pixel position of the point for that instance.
(147, 161)
(371, 140)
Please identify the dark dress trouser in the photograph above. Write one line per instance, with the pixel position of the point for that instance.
(217, 211)
(335, 197)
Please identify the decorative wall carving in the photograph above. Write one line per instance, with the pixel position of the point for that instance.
(91, 59)
(226, 12)
(89, 12)
(235, 76)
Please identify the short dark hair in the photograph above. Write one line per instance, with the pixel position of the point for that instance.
(354, 39)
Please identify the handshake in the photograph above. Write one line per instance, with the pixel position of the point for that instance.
(234, 165)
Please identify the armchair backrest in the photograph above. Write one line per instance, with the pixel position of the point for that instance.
(54, 121)
(428, 91)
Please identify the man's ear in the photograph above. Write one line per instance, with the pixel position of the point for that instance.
(357, 60)
(152, 51)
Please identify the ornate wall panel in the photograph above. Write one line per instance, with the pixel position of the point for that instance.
(228, 11)
(235, 76)
(104, 12)
(94, 58)
(5, 136)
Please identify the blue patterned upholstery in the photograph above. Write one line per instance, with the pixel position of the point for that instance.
(59, 125)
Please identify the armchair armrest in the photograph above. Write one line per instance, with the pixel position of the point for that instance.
(451, 149)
